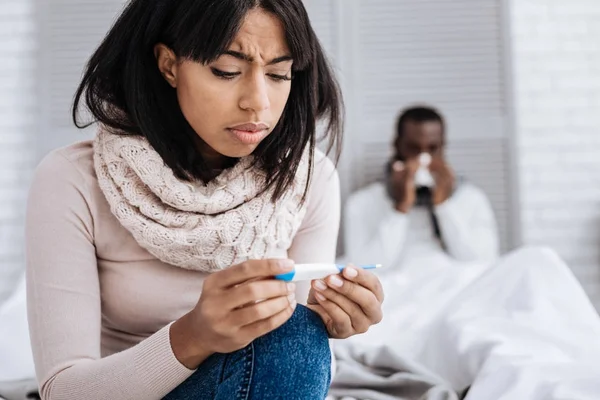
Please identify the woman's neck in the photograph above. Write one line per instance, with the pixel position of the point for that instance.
(215, 161)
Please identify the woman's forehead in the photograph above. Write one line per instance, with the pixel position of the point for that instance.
(261, 36)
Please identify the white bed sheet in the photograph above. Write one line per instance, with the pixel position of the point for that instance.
(16, 360)
(521, 329)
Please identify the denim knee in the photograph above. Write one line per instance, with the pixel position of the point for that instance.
(297, 354)
(291, 362)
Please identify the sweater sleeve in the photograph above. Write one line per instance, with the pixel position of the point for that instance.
(468, 225)
(316, 239)
(374, 232)
(64, 305)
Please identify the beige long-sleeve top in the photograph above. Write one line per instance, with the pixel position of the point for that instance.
(99, 305)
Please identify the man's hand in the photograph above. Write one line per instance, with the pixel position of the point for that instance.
(348, 303)
(401, 184)
(444, 180)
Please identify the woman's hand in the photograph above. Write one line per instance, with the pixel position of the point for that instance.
(348, 303)
(237, 305)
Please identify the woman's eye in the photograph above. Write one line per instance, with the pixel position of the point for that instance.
(279, 78)
(224, 74)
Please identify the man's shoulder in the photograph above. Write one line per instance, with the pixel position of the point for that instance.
(466, 188)
(465, 184)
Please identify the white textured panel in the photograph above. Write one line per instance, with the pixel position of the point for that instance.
(74, 30)
(17, 122)
(323, 19)
(70, 31)
(481, 162)
(444, 52)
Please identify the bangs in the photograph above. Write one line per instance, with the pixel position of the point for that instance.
(296, 24)
(202, 31)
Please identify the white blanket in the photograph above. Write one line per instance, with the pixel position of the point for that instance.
(522, 329)
(16, 360)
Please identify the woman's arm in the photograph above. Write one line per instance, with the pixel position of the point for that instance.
(64, 303)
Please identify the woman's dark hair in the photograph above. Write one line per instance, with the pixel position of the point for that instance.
(124, 90)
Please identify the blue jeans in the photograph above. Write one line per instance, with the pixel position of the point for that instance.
(291, 362)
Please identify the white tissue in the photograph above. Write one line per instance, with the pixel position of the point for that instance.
(423, 176)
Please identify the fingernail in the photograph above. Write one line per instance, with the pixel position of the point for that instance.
(292, 298)
(293, 304)
(351, 272)
(286, 264)
(320, 297)
(335, 281)
(320, 285)
(291, 287)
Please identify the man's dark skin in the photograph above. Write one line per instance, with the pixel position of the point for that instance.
(417, 138)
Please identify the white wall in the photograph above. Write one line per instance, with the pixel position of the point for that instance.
(556, 58)
(17, 123)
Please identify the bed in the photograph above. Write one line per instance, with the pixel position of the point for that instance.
(522, 328)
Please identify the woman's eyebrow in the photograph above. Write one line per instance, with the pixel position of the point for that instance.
(248, 58)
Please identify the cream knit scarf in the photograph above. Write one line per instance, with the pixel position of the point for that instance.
(193, 225)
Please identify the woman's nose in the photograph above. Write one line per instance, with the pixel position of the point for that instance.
(256, 96)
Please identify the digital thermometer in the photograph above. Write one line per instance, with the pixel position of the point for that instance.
(306, 272)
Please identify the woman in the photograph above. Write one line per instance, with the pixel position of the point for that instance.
(203, 181)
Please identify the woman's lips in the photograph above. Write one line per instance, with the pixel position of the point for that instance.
(250, 133)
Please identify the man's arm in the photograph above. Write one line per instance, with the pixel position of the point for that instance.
(468, 225)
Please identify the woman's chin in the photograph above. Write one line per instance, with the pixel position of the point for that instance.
(238, 151)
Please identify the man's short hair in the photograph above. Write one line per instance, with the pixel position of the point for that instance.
(419, 114)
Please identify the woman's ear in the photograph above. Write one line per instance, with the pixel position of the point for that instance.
(167, 63)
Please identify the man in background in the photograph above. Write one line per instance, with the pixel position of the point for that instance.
(421, 210)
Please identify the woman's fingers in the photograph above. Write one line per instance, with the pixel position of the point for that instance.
(248, 270)
(264, 326)
(263, 310)
(252, 292)
(353, 318)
